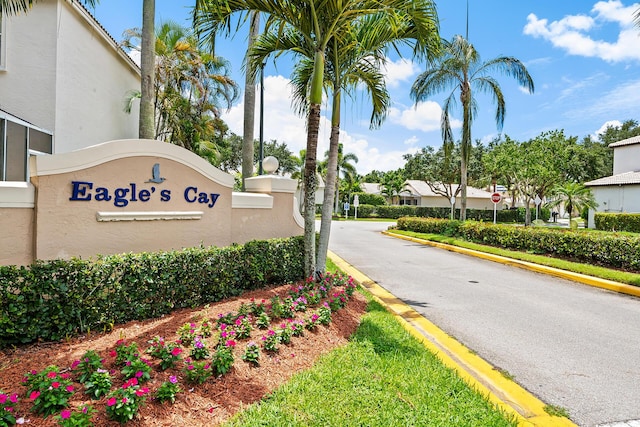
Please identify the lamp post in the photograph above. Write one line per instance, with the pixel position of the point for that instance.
(261, 154)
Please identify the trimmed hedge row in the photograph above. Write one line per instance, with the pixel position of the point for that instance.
(609, 250)
(50, 300)
(395, 212)
(617, 221)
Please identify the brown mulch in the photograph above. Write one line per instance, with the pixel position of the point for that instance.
(208, 404)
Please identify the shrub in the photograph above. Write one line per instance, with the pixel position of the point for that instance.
(51, 300)
(609, 250)
(617, 221)
(370, 199)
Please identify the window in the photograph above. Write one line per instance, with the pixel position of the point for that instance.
(18, 140)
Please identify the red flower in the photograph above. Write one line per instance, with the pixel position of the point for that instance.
(113, 353)
(34, 395)
(55, 384)
(52, 374)
(112, 401)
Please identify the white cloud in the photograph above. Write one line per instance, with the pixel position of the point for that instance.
(425, 116)
(281, 124)
(622, 102)
(603, 128)
(571, 33)
(399, 71)
(411, 141)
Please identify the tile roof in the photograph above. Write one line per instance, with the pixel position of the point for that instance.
(423, 189)
(628, 141)
(626, 178)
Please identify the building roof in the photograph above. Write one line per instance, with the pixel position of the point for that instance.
(629, 141)
(422, 189)
(371, 187)
(627, 178)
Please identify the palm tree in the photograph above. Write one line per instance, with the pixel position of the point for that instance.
(352, 61)
(573, 196)
(460, 68)
(190, 86)
(317, 22)
(146, 122)
(345, 166)
(249, 105)
(393, 185)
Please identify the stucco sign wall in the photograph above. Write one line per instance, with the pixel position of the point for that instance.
(142, 195)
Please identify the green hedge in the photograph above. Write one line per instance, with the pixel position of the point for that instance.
(395, 212)
(617, 222)
(369, 199)
(609, 250)
(50, 300)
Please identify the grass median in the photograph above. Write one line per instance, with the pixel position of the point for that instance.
(383, 377)
(576, 267)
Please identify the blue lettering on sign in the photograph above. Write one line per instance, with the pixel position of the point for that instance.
(191, 195)
(79, 190)
(121, 197)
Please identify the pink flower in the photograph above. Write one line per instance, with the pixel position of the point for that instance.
(75, 364)
(176, 351)
(112, 401)
(173, 379)
(113, 353)
(231, 343)
(139, 374)
(55, 384)
(3, 398)
(124, 400)
(34, 395)
(69, 388)
(190, 367)
(13, 398)
(271, 332)
(65, 414)
(65, 376)
(142, 391)
(52, 374)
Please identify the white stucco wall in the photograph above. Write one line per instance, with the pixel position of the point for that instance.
(90, 92)
(626, 158)
(28, 82)
(615, 199)
(65, 76)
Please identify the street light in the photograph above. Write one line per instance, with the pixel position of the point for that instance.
(260, 170)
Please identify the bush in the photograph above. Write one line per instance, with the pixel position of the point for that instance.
(364, 211)
(608, 250)
(370, 199)
(51, 300)
(617, 222)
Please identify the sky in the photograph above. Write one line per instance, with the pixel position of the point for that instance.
(583, 56)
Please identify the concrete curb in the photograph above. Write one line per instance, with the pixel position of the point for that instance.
(475, 371)
(576, 277)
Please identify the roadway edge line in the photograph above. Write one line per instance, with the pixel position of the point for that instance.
(507, 395)
(564, 274)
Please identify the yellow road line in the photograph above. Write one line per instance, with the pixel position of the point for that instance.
(475, 371)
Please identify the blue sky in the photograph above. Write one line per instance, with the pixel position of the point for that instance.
(584, 57)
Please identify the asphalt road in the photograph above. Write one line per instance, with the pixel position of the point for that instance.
(571, 345)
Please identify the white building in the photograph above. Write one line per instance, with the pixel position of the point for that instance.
(418, 193)
(619, 192)
(63, 82)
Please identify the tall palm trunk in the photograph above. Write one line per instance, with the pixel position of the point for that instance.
(249, 107)
(146, 127)
(465, 96)
(330, 185)
(313, 126)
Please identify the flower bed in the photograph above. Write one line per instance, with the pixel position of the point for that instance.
(149, 365)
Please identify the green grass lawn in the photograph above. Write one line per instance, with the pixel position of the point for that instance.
(383, 377)
(588, 269)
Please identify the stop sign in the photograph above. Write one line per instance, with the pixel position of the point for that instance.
(496, 197)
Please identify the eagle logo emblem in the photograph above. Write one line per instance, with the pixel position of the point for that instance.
(155, 175)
